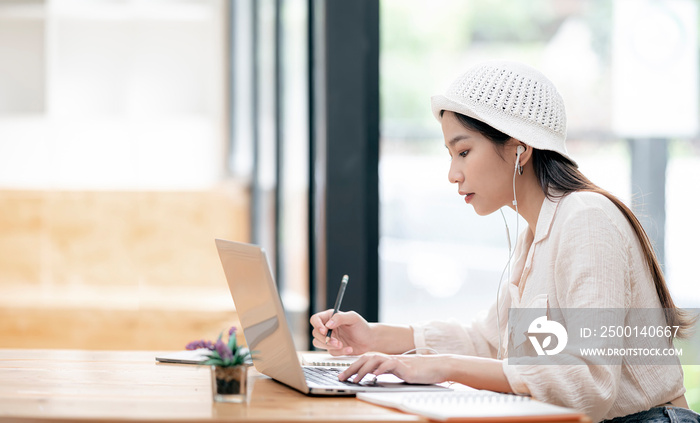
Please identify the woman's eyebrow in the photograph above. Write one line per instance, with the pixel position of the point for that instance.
(456, 139)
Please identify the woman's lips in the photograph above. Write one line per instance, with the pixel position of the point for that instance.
(468, 197)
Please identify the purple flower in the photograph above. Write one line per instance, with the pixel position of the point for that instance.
(223, 353)
(223, 350)
(199, 344)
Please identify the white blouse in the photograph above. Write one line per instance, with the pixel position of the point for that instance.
(584, 254)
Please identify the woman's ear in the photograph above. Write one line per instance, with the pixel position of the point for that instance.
(525, 152)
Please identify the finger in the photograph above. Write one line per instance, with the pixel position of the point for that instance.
(360, 368)
(318, 320)
(319, 344)
(319, 333)
(334, 347)
(369, 367)
(391, 366)
(333, 343)
(352, 369)
(341, 318)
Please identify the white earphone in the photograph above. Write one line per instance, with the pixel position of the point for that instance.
(520, 150)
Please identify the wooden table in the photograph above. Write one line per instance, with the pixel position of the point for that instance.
(110, 386)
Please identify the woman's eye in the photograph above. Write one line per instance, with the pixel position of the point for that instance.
(463, 153)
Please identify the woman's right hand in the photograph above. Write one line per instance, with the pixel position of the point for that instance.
(351, 334)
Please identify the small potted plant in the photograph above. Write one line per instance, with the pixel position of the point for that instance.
(229, 367)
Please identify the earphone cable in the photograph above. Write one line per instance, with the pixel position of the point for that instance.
(511, 251)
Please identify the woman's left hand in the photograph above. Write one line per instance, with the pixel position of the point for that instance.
(425, 369)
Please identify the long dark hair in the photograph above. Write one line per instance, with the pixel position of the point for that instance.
(558, 177)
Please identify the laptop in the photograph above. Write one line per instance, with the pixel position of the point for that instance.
(268, 335)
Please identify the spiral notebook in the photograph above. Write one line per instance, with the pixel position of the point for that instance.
(327, 360)
(472, 405)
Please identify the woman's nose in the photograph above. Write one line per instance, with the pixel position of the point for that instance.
(454, 175)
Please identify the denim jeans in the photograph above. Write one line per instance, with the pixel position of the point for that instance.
(664, 413)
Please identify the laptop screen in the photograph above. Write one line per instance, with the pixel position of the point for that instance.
(260, 312)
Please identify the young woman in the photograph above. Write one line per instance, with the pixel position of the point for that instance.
(504, 126)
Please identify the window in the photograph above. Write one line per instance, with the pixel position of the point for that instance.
(438, 259)
(113, 182)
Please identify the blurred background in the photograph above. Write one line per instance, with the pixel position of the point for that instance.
(134, 132)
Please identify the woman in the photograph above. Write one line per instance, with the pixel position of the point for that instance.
(504, 126)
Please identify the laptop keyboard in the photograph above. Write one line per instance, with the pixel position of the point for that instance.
(324, 376)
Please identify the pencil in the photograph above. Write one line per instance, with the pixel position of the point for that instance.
(338, 300)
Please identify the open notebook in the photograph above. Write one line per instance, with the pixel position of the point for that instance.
(472, 405)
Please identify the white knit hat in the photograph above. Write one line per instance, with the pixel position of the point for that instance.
(512, 98)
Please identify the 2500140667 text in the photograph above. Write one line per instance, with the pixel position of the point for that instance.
(630, 332)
